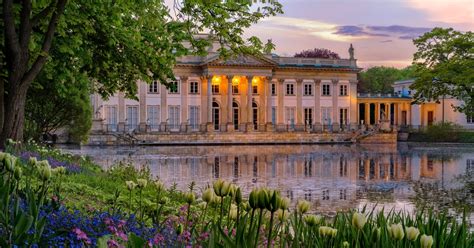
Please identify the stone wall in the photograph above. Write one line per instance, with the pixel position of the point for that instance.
(380, 138)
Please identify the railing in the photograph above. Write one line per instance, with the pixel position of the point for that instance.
(315, 61)
(379, 95)
(110, 127)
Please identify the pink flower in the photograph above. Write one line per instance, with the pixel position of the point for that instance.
(112, 243)
(80, 235)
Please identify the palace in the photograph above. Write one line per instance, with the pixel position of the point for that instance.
(261, 95)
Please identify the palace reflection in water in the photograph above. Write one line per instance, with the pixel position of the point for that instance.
(332, 177)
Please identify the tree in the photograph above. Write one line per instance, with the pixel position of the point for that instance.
(379, 79)
(444, 66)
(113, 43)
(317, 53)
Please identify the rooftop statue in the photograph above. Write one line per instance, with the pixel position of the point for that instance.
(351, 52)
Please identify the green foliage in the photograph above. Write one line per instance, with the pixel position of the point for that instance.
(379, 79)
(443, 132)
(444, 66)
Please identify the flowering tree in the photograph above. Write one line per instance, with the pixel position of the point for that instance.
(317, 53)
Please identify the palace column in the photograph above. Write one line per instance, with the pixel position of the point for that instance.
(354, 106)
(388, 112)
(230, 126)
(249, 103)
(205, 114)
(184, 104)
(317, 104)
(121, 112)
(335, 108)
(209, 125)
(268, 92)
(164, 107)
(399, 114)
(367, 113)
(262, 107)
(142, 90)
(299, 102)
(377, 113)
(280, 94)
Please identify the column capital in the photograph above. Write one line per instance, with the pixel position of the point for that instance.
(335, 81)
(353, 81)
(281, 80)
(269, 78)
(184, 78)
(317, 81)
(206, 77)
(299, 80)
(230, 76)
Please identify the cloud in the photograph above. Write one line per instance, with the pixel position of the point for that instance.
(386, 41)
(452, 11)
(404, 32)
(356, 31)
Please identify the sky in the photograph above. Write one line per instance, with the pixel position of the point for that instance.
(381, 31)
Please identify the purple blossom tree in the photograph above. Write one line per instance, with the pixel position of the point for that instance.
(322, 53)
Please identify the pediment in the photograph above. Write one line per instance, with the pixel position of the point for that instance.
(241, 60)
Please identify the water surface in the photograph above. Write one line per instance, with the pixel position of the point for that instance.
(332, 177)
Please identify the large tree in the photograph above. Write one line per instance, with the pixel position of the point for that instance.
(113, 43)
(379, 79)
(444, 66)
(317, 53)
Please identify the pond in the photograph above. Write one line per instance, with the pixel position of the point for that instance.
(332, 177)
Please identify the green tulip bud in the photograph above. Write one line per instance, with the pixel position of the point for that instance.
(32, 161)
(190, 197)
(358, 220)
(303, 206)
(345, 244)
(45, 171)
(202, 205)
(253, 199)
(159, 185)
(396, 231)
(225, 189)
(18, 172)
(179, 229)
(284, 203)
(130, 185)
(2, 156)
(412, 233)
(246, 206)
(274, 202)
(217, 185)
(238, 196)
(233, 212)
(263, 199)
(10, 162)
(207, 195)
(141, 183)
(426, 241)
(312, 220)
(333, 232)
(282, 216)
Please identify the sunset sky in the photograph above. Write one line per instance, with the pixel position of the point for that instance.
(381, 31)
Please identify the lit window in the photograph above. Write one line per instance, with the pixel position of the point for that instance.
(173, 87)
(193, 87)
(326, 90)
(343, 90)
(235, 85)
(290, 89)
(215, 89)
(308, 89)
(255, 86)
(153, 87)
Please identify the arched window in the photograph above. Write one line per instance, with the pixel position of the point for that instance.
(215, 115)
(255, 115)
(235, 115)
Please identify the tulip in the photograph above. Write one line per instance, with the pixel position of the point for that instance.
(2, 156)
(412, 233)
(312, 220)
(426, 241)
(225, 189)
(274, 203)
(282, 215)
(253, 199)
(233, 212)
(208, 195)
(32, 161)
(303, 206)
(10, 162)
(141, 183)
(396, 231)
(45, 171)
(333, 232)
(284, 203)
(263, 199)
(358, 220)
(217, 185)
(179, 229)
(238, 196)
(131, 185)
(190, 197)
(159, 185)
(202, 205)
(164, 200)
(324, 231)
(345, 244)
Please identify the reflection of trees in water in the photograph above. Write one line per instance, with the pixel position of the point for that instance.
(434, 195)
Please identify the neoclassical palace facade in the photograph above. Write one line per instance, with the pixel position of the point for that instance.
(246, 93)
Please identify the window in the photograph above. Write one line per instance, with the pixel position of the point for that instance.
(343, 116)
(215, 89)
(153, 116)
(193, 87)
(132, 117)
(111, 118)
(274, 90)
(215, 115)
(235, 88)
(255, 89)
(235, 115)
(290, 89)
(173, 117)
(194, 114)
(343, 90)
(308, 116)
(255, 115)
(326, 115)
(290, 115)
(470, 118)
(153, 87)
(274, 111)
(308, 89)
(174, 87)
(326, 90)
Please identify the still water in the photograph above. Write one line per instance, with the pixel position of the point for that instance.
(332, 177)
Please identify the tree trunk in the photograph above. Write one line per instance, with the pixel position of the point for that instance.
(14, 117)
(2, 104)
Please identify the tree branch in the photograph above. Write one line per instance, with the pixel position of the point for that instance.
(47, 42)
(25, 25)
(43, 13)
(11, 38)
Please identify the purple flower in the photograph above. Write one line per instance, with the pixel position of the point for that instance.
(82, 236)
